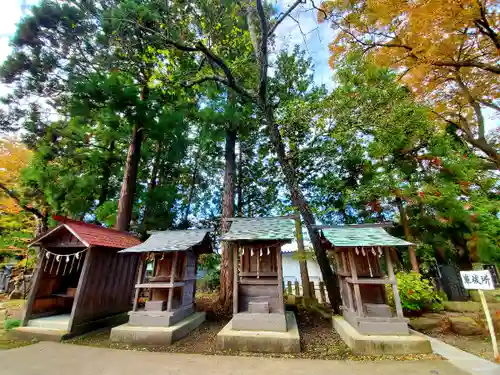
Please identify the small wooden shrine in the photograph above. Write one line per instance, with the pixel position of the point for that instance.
(259, 322)
(359, 251)
(80, 282)
(170, 290)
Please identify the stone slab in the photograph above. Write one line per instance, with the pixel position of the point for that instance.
(468, 362)
(157, 335)
(380, 344)
(259, 322)
(261, 341)
(155, 305)
(258, 307)
(41, 334)
(377, 325)
(159, 318)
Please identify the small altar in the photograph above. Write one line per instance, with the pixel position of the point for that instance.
(166, 310)
(364, 265)
(259, 323)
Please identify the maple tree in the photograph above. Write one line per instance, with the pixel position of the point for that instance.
(17, 226)
(446, 52)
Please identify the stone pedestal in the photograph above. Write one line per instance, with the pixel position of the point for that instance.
(267, 341)
(161, 336)
(259, 322)
(159, 318)
(361, 344)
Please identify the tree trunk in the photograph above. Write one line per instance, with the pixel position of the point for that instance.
(239, 187)
(300, 202)
(42, 225)
(304, 274)
(193, 186)
(106, 174)
(226, 274)
(406, 229)
(151, 186)
(127, 193)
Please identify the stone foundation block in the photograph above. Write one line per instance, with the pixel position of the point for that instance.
(261, 341)
(380, 345)
(160, 336)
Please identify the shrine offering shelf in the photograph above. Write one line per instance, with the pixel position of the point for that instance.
(370, 281)
(254, 281)
(261, 274)
(159, 285)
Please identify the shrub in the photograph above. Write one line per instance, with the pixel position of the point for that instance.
(11, 324)
(416, 293)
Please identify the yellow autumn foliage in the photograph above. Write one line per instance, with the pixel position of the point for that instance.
(446, 51)
(14, 156)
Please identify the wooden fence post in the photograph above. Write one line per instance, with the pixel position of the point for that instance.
(297, 288)
(322, 292)
(289, 287)
(312, 289)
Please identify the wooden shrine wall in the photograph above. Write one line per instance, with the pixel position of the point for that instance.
(106, 286)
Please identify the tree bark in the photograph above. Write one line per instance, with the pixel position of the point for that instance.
(304, 274)
(227, 268)
(127, 193)
(193, 186)
(300, 202)
(406, 229)
(239, 186)
(106, 174)
(151, 186)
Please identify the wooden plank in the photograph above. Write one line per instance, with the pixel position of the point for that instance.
(140, 278)
(390, 272)
(281, 305)
(322, 293)
(258, 282)
(367, 281)
(80, 289)
(312, 288)
(34, 287)
(159, 285)
(235, 278)
(262, 274)
(172, 281)
(357, 292)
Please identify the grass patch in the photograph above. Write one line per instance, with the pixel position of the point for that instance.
(11, 324)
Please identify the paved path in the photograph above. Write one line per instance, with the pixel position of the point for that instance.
(47, 358)
(463, 360)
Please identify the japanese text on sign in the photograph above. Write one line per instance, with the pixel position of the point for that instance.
(477, 280)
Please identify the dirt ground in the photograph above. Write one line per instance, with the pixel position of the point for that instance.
(318, 339)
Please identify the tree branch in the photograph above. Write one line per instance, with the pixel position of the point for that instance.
(13, 195)
(225, 82)
(283, 16)
(263, 53)
(490, 105)
(475, 105)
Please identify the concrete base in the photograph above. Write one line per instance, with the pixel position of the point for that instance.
(157, 335)
(259, 322)
(372, 325)
(56, 327)
(159, 318)
(261, 341)
(379, 345)
(42, 334)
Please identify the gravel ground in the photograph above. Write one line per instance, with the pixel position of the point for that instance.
(318, 341)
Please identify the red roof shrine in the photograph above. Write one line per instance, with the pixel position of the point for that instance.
(92, 234)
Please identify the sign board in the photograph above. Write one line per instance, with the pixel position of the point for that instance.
(481, 280)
